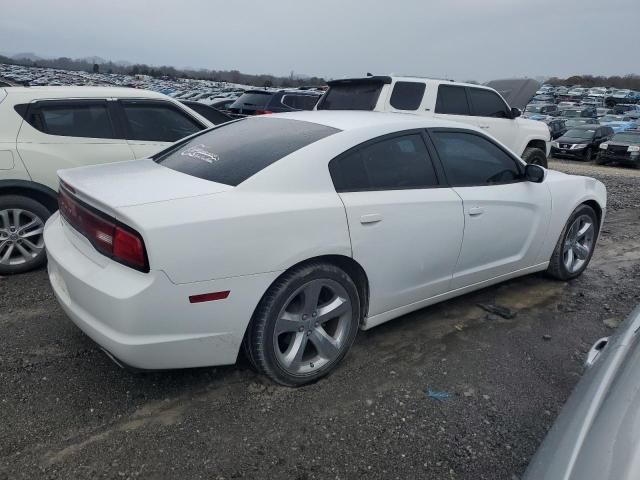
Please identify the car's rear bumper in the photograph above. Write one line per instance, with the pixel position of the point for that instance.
(144, 320)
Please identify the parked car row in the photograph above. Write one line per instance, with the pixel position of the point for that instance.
(596, 95)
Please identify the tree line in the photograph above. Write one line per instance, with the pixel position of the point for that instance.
(630, 81)
(164, 71)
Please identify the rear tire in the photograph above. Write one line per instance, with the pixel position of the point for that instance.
(304, 325)
(21, 234)
(576, 244)
(535, 156)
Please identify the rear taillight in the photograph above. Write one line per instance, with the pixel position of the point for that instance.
(106, 234)
(263, 112)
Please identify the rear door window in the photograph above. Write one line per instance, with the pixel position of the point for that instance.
(395, 163)
(235, 151)
(485, 103)
(351, 96)
(452, 100)
(299, 102)
(82, 118)
(407, 95)
(157, 121)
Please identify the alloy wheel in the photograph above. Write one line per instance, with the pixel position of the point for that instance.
(21, 236)
(578, 243)
(312, 328)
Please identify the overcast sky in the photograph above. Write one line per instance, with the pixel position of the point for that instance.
(459, 39)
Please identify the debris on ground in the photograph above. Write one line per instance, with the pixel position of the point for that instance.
(546, 336)
(612, 322)
(440, 396)
(504, 312)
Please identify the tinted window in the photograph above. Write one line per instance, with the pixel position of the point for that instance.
(235, 151)
(487, 103)
(81, 119)
(390, 164)
(255, 100)
(214, 116)
(351, 96)
(300, 102)
(407, 95)
(157, 122)
(452, 100)
(469, 159)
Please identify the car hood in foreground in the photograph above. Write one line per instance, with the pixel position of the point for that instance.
(135, 182)
(597, 434)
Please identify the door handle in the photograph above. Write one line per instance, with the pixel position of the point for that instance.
(484, 126)
(370, 218)
(475, 211)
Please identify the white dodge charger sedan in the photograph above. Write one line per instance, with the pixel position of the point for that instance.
(287, 233)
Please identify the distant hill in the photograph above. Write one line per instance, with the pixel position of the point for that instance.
(27, 56)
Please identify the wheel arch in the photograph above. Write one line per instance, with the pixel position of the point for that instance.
(537, 143)
(36, 191)
(348, 264)
(596, 207)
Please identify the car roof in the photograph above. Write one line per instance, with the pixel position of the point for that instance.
(586, 127)
(353, 120)
(35, 93)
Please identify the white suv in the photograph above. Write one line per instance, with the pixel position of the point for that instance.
(474, 104)
(45, 129)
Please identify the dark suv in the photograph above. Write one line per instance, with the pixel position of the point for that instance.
(259, 102)
(581, 142)
(623, 148)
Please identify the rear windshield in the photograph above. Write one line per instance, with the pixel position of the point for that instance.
(238, 150)
(351, 96)
(258, 100)
(299, 102)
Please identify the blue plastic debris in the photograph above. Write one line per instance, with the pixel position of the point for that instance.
(440, 396)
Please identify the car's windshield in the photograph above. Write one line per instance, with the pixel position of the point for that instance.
(626, 138)
(611, 118)
(533, 109)
(235, 151)
(579, 133)
(571, 113)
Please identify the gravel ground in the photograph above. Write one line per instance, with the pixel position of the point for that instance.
(66, 411)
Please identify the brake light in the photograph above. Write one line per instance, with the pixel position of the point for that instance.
(107, 235)
(263, 112)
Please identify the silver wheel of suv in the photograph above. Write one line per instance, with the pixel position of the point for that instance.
(313, 326)
(21, 236)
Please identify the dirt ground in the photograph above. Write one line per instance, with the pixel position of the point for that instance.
(66, 411)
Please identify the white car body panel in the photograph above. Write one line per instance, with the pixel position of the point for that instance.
(505, 226)
(396, 248)
(416, 246)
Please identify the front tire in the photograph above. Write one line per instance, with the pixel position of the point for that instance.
(304, 325)
(588, 153)
(535, 156)
(576, 244)
(21, 234)
(600, 160)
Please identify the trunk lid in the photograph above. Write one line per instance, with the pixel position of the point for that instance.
(136, 182)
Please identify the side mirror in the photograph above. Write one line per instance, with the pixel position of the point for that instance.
(534, 173)
(515, 112)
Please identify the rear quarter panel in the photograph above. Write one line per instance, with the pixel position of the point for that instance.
(239, 233)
